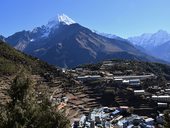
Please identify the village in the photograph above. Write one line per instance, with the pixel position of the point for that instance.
(143, 106)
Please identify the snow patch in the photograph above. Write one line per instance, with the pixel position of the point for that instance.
(32, 40)
(52, 23)
(65, 19)
(46, 34)
(111, 36)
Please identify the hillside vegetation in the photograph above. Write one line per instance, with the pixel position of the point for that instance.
(12, 61)
(25, 82)
(25, 110)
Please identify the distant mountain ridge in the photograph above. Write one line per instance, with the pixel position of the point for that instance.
(156, 44)
(163, 51)
(65, 43)
(149, 40)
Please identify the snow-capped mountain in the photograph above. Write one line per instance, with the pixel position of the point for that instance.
(65, 43)
(61, 19)
(52, 25)
(150, 41)
(21, 40)
(156, 44)
(111, 36)
(65, 20)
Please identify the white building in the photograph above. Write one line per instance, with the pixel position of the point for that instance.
(162, 105)
(139, 92)
(79, 69)
(125, 81)
(118, 80)
(167, 90)
(162, 98)
(149, 121)
(89, 77)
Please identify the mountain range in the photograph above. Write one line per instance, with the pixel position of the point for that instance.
(65, 43)
(156, 44)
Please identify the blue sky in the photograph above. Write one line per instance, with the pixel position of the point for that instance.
(120, 17)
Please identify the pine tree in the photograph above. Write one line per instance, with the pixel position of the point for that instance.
(167, 119)
(24, 111)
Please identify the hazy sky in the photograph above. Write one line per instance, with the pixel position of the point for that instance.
(121, 17)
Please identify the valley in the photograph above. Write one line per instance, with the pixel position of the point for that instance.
(76, 92)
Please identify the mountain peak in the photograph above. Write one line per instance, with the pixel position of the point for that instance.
(161, 31)
(65, 19)
(162, 34)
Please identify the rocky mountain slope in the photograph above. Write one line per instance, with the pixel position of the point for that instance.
(162, 51)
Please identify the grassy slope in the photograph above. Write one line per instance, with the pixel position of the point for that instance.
(12, 61)
(45, 76)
